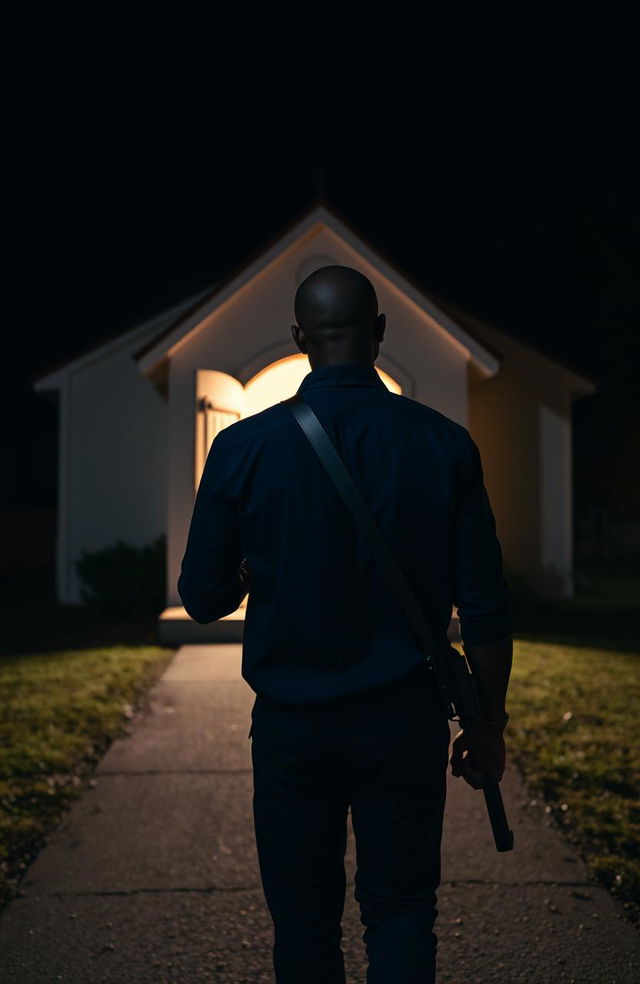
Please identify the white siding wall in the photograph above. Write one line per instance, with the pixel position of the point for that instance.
(556, 498)
(114, 452)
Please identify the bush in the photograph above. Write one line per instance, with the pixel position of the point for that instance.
(124, 580)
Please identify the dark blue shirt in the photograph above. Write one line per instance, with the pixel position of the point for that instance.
(321, 621)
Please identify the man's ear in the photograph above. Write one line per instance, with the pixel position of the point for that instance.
(381, 323)
(299, 339)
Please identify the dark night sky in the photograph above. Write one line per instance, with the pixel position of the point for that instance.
(148, 150)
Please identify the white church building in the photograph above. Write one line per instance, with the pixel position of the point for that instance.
(139, 412)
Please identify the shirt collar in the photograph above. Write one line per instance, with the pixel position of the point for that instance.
(341, 374)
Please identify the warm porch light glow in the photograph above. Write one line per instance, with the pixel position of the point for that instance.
(221, 399)
(282, 378)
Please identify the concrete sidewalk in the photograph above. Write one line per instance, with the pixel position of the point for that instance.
(153, 876)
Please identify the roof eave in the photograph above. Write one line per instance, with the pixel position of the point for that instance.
(150, 356)
(52, 380)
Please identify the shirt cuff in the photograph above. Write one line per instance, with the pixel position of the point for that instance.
(482, 630)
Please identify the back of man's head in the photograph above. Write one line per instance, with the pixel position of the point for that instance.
(335, 302)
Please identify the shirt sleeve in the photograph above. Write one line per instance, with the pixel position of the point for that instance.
(212, 583)
(480, 591)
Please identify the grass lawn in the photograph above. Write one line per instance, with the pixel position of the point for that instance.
(573, 695)
(59, 712)
(572, 732)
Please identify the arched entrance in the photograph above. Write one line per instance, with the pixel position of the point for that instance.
(221, 399)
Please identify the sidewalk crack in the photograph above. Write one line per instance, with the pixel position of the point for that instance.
(210, 889)
(170, 772)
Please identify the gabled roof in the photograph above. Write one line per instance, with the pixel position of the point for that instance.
(153, 352)
(160, 335)
(581, 384)
(53, 377)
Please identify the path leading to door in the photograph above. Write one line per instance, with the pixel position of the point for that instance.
(153, 876)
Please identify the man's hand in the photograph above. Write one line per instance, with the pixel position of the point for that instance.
(488, 757)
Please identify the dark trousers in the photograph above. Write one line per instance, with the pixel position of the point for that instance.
(384, 754)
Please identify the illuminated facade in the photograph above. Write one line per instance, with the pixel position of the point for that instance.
(138, 414)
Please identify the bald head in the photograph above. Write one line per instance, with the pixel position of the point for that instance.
(335, 301)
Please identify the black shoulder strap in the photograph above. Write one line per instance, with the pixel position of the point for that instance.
(345, 485)
(330, 458)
